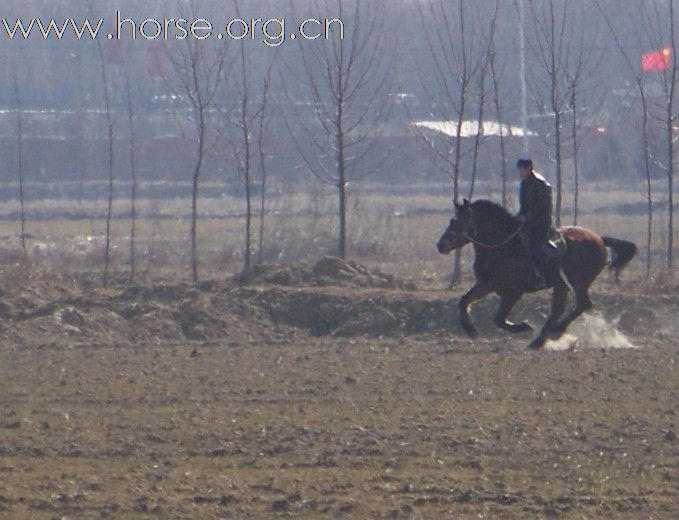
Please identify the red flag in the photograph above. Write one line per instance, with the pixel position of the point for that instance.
(656, 60)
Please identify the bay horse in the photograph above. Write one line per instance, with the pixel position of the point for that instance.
(503, 266)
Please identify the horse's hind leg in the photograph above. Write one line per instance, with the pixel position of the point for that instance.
(506, 305)
(583, 304)
(476, 293)
(559, 300)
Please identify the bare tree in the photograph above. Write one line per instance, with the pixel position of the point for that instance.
(573, 87)
(81, 113)
(348, 81)
(666, 20)
(248, 119)
(580, 64)
(110, 159)
(133, 174)
(495, 76)
(657, 26)
(563, 55)
(647, 173)
(459, 42)
(263, 163)
(478, 137)
(20, 162)
(548, 45)
(197, 74)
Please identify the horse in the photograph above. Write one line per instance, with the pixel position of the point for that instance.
(503, 266)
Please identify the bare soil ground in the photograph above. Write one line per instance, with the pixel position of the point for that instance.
(329, 391)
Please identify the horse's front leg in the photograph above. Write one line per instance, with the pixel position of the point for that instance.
(476, 293)
(550, 328)
(506, 305)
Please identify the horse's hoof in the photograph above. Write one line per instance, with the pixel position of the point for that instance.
(472, 332)
(553, 333)
(524, 327)
(537, 343)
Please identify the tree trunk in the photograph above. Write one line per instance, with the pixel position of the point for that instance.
(576, 166)
(247, 179)
(194, 197)
(109, 121)
(457, 169)
(247, 174)
(555, 106)
(670, 180)
(670, 143)
(649, 184)
(20, 165)
(248, 221)
(341, 175)
(670, 201)
(500, 120)
(133, 195)
(342, 244)
(559, 173)
(479, 136)
(109, 208)
(263, 165)
(262, 215)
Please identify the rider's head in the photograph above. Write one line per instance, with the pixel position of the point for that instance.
(525, 167)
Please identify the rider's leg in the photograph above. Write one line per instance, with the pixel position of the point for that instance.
(525, 237)
(538, 241)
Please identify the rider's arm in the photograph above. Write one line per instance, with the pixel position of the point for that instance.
(522, 196)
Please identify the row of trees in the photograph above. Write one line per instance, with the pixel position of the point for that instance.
(347, 81)
(223, 94)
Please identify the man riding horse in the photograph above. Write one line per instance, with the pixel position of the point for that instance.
(503, 243)
(536, 219)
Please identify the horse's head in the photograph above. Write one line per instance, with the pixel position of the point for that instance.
(460, 230)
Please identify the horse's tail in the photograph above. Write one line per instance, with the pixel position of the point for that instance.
(623, 253)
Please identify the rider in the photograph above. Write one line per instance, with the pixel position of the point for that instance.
(536, 217)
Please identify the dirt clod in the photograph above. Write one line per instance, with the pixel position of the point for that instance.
(72, 317)
(280, 506)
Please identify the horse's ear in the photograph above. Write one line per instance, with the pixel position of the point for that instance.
(466, 203)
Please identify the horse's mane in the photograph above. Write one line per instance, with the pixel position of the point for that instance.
(493, 210)
(494, 223)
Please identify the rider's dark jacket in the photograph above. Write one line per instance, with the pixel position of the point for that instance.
(536, 202)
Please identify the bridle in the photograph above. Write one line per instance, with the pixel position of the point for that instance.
(471, 236)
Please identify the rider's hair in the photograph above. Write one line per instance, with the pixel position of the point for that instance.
(525, 163)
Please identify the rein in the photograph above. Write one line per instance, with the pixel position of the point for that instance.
(472, 237)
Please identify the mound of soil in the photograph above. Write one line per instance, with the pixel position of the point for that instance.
(132, 316)
(331, 298)
(328, 272)
(324, 313)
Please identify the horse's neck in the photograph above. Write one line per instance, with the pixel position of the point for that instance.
(491, 232)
